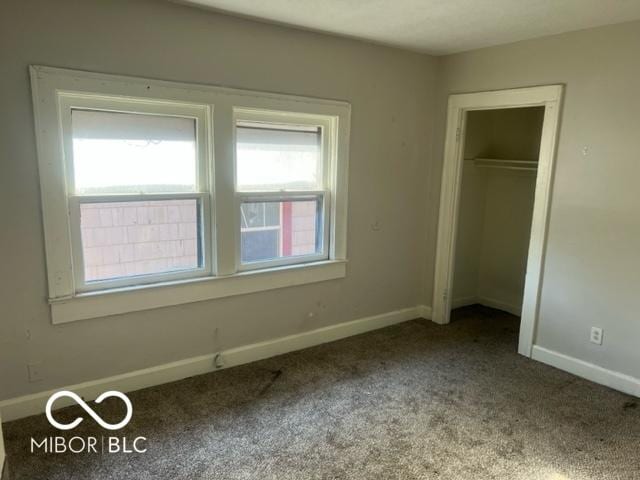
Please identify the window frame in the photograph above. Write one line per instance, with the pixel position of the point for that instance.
(69, 101)
(52, 89)
(328, 166)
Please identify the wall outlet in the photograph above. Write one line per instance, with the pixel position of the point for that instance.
(35, 372)
(596, 335)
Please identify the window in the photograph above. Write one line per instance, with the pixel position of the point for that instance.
(281, 187)
(158, 193)
(136, 191)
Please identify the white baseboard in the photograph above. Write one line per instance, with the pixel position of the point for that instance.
(2, 454)
(616, 380)
(500, 305)
(424, 312)
(464, 301)
(34, 404)
(487, 302)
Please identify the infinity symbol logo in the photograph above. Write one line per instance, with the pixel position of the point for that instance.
(89, 410)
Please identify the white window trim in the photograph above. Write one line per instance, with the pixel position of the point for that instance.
(145, 297)
(68, 303)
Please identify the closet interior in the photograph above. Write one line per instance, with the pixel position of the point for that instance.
(501, 149)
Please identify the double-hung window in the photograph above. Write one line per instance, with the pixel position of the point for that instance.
(159, 193)
(138, 190)
(282, 179)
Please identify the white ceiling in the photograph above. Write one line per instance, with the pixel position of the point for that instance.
(435, 26)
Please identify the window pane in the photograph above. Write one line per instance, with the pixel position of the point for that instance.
(272, 230)
(125, 239)
(260, 215)
(260, 245)
(132, 153)
(272, 157)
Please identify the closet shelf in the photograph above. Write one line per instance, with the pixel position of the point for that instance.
(529, 165)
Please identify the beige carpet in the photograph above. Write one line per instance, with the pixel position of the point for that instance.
(412, 401)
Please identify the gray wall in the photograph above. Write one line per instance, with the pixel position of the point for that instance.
(591, 271)
(391, 95)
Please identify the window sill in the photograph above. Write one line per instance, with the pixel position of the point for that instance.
(132, 299)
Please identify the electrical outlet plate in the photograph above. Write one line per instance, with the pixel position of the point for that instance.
(35, 372)
(596, 335)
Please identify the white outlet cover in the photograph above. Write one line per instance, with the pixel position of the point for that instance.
(596, 335)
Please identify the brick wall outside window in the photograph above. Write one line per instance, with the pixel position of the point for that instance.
(135, 238)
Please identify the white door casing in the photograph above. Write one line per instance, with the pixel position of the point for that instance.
(550, 97)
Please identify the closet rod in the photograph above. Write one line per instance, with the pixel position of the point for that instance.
(529, 165)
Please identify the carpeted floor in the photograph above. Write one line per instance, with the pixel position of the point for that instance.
(412, 401)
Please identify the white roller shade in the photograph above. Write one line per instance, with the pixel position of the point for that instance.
(96, 124)
(273, 138)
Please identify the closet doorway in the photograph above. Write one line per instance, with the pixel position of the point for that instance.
(494, 203)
